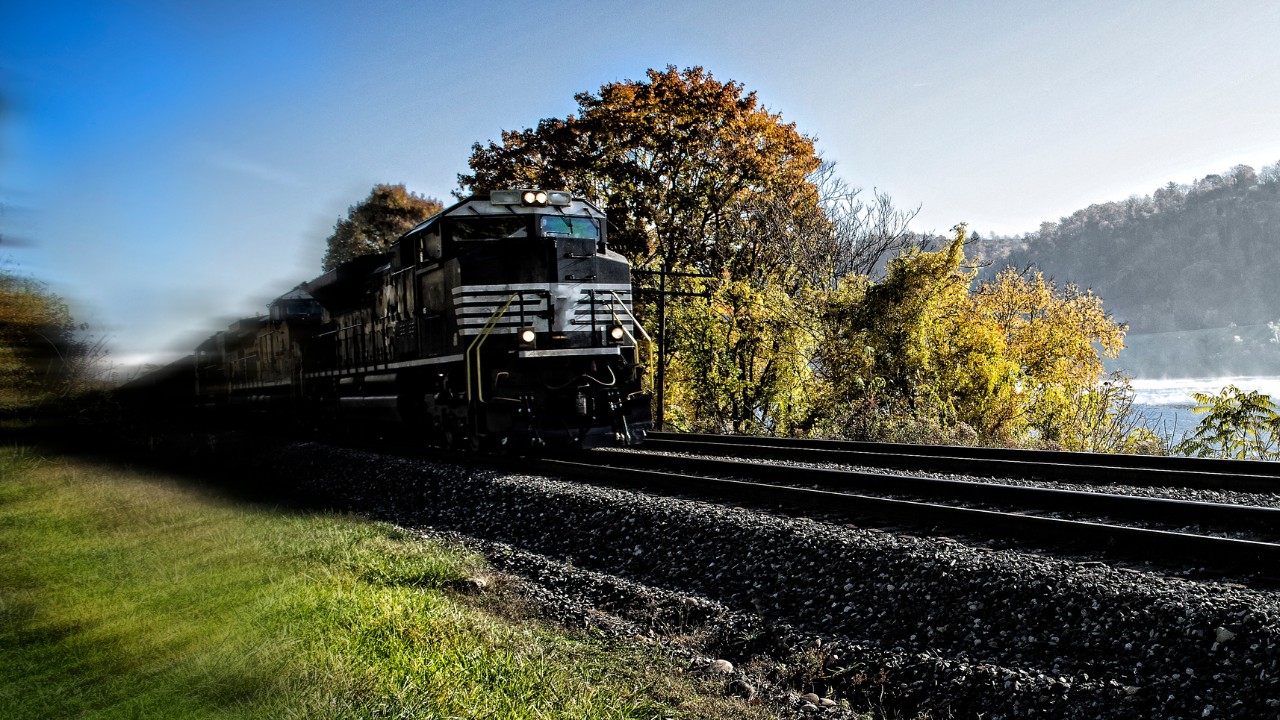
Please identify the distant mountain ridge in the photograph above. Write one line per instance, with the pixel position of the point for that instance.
(1188, 260)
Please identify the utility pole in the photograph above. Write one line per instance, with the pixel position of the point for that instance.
(663, 294)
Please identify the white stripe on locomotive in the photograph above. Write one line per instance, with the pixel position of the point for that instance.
(475, 304)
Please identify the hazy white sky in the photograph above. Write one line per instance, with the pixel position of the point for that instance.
(169, 166)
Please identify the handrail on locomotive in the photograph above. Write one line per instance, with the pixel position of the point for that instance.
(479, 341)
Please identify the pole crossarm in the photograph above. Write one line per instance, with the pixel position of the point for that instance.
(663, 293)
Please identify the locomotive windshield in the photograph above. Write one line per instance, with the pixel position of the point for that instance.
(570, 227)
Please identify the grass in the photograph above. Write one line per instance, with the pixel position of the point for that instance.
(129, 596)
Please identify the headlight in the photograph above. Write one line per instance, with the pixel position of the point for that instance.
(528, 337)
(532, 197)
(616, 333)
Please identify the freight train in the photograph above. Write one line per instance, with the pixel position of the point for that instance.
(502, 321)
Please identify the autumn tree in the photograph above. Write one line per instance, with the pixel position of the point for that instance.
(696, 175)
(742, 360)
(373, 224)
(887, 345)
(1057, 338)
(42, 354)
(1010, 360)
(673, 158)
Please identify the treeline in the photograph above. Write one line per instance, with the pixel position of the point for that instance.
(1185, 258)
(824, 314)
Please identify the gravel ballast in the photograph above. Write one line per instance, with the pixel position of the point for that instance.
(878, 619)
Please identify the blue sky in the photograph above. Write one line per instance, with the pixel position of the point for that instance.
(170, 166)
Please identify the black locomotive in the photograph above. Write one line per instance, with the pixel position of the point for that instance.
(504, 320)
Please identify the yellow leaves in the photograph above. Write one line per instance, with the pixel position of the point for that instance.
(1056, 336)
(1009, 357)
(740, 360)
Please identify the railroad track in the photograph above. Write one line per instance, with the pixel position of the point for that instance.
(1228, 538)
(1084, 468)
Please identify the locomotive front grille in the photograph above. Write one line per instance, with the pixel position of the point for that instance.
(562, 309)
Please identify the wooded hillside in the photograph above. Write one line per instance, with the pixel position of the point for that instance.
(1194, 270)
(1187, 257)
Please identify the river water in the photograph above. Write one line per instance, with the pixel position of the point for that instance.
(1166, 403)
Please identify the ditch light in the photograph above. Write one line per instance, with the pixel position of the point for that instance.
(528, 338)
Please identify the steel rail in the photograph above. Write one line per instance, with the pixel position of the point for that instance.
(1120, 507)
(1147, 544)
(1088, 468)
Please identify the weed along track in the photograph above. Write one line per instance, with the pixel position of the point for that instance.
(864, 616)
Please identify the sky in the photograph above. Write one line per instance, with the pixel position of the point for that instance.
(167, 167)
